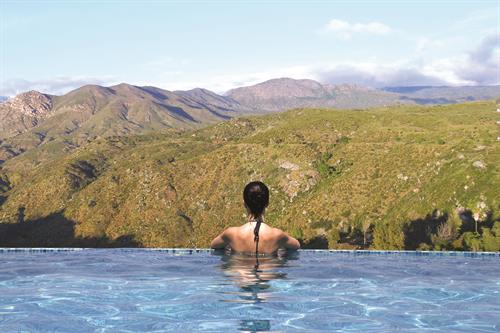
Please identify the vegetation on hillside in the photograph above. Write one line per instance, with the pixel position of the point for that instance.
(402, 177)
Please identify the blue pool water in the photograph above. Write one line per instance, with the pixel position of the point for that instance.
(134, 290)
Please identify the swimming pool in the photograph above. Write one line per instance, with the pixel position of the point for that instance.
(138, 290)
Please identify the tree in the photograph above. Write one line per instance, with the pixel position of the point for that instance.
(388, 235)
(480, 213)
(367, 225)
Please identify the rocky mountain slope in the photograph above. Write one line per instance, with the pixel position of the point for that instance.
(23, 112)
(401, 177)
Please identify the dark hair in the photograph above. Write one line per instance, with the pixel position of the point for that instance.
(256, 197)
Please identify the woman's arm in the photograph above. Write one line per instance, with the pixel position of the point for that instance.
(288, 242)
(220, 241)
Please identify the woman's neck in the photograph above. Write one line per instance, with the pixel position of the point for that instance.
(252, 218)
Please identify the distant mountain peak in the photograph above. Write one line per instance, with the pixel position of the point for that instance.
(92, 89)
(125, 87)
(286, 93)
(197, 90)
(277, 89)
(288, 80)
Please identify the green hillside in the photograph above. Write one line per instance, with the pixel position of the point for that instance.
(402, 177)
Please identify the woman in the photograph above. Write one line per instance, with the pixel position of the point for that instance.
(255, 235)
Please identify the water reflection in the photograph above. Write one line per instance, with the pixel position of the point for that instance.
(255, 326)
(253, 279)
(253, 276)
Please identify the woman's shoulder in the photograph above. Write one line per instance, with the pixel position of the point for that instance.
(276, 232)
(231, 230)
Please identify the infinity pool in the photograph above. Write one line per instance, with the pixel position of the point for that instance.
(137, 290)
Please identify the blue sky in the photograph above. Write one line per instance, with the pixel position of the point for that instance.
(56, 46)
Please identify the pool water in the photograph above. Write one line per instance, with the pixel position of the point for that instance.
(138, 290)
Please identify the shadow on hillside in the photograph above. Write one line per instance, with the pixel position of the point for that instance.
(318, 242)
(54, 230)
(419, 231)
(427, 101)
(467, 220)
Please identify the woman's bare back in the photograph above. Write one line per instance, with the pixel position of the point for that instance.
(255, 236)
(241, 239)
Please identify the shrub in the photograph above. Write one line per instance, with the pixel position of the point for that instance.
(424, 247)
(472, 241)
(491, 239)
(388, 236)
(322, 165)
(343, 139)
(443, 238)
(333, 237)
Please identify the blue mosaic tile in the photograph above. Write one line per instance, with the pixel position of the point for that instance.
(190, 251)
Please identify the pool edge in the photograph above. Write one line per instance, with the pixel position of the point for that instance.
(207, 250)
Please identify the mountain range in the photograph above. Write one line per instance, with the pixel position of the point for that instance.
(34, 119)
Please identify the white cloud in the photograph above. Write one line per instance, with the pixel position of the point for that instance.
(345, 29)
(480, 66)
(483, 63)
(383, 75)
(57, 86)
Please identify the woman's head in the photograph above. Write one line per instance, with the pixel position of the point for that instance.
(256, 197)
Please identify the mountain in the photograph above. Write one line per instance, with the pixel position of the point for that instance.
(82, 115)
(285, 93)
(62, 123)
(208, 99)
(26, 110)
(119, 109)
(445, 95)
(400, 177)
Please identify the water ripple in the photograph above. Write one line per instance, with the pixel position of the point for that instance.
(157, 291)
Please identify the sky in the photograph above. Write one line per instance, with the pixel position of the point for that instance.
(57, 46)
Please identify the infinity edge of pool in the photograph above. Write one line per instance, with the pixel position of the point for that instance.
(188, 251)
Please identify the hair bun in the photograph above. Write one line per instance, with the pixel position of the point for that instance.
(256, 197)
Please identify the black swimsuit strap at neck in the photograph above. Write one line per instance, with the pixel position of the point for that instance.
(256, 239)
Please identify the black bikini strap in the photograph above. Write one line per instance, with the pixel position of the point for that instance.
(256, 240)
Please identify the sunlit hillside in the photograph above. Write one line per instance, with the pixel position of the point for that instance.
(402, 177)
